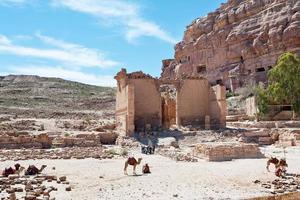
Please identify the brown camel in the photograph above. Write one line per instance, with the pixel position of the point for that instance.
(279, 164)
(8, 171)
(133, 162)
(33, 170)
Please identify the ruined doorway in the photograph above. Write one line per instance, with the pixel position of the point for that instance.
(168, 103)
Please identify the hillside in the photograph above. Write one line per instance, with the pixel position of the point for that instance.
(44, 97)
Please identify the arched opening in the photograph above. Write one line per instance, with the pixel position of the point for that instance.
(168, 105)
(260, 69)
(201, 69)
(242, 59)
(219, 82)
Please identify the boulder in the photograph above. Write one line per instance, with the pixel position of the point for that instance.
(108, 137)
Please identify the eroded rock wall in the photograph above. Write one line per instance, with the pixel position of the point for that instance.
(239, 41)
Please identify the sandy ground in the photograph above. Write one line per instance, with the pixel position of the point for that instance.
(168, 180)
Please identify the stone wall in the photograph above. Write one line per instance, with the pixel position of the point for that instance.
(43, 141)
(217, 106)
(25, 141)
(227, 151)
(124, 106)
(147, 103)
(144, 103)
(192, 102)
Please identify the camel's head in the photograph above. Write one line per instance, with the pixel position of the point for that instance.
(44, 166)
(283, 162)
(17, 166)
(139, 160)
(273, 160)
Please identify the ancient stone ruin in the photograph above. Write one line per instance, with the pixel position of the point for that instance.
(143, 103)
(227, 151)
(238, 43)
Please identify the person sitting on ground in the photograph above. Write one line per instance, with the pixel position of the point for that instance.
(146, 169)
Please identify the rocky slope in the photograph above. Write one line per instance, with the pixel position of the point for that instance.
(33, 96)
(241, 39)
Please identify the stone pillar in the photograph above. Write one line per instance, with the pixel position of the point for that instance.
(207, 122)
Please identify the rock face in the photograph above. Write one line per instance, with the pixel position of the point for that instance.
(238, 42)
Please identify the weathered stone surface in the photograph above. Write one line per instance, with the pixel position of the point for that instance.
(227, 151)
(237, 42)
(139, 101)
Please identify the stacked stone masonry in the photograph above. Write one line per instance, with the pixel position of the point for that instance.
(140, 105)
(227, 151)
(46, 141)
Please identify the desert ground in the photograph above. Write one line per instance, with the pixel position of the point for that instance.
(80, 142)
(104, 179)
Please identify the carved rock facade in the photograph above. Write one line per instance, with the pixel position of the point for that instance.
(239, 42)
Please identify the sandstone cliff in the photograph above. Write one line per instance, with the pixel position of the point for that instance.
(239, 41)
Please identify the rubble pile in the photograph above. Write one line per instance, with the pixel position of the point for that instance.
(227, 151)
(39, 187)
(287, 184)
(19, 125)
(261, 137)
(85, 125)
(290, 138)
(177, 154)
(127, 142)
(265, 124)
(64, 153)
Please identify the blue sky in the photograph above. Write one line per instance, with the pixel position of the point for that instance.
(90, 40)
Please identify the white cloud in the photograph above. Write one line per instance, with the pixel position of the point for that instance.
(71, 59)
(60, 72)
(4, 40)
(67, 53)
(120, 12)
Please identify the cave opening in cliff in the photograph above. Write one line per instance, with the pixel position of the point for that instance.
(219, 82)
(168, 105)
(201, 69)
(260, 69)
